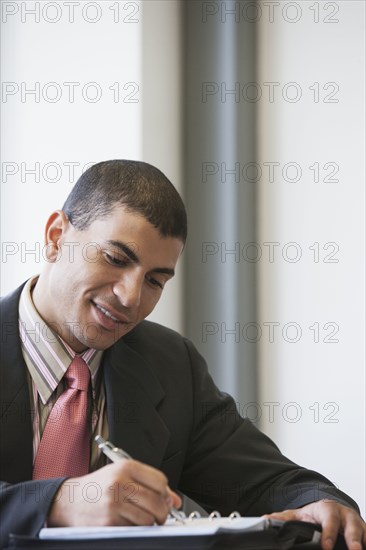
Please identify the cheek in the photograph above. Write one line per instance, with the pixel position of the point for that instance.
(81, 271)
(69, 281)
(148, 302)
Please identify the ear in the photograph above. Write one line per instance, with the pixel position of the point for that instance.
(55, 230)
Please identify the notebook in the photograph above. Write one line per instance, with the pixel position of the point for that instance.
(212, 533)
(193, 526)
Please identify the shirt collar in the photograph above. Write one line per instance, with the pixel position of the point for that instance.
(47, 356)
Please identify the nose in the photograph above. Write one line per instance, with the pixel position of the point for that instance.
(128, 289)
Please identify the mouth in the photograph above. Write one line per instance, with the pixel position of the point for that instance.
(107, 313)
(109, 319)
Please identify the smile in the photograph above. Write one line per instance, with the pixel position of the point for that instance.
(107, 314)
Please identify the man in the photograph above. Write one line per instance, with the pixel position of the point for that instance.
(110, 251)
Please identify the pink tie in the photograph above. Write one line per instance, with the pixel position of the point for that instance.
(65, 445)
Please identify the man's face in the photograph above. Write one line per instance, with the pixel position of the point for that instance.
(105, 279)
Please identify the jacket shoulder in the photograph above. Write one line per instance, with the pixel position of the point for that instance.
(149, 329)
(155, 340)
(11, 300)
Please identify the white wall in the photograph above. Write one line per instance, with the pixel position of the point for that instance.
(100, 48)
(162, 120)
(316, 390)
(36, 130)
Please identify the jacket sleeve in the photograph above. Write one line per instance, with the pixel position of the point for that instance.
(24, 506)
(231, 465)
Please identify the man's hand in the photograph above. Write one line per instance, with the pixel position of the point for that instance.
(334, 518)
(125, 493)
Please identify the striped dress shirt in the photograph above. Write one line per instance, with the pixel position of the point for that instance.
(48, 357)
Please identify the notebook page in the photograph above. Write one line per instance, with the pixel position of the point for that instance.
(197, 527)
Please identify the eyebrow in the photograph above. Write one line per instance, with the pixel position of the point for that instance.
(126, 250)
(134, 258)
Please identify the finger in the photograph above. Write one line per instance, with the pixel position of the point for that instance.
(330, 520)
(143, 498)
(174, 499)
(292, 515)
(146, 476)
(286, 515)
(353, 537)
(150, 500)
(153, 503)
(354, 531)
(130, 514)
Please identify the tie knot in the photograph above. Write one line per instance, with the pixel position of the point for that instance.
(77, 375)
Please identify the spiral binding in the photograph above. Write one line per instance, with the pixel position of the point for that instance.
(196, 515)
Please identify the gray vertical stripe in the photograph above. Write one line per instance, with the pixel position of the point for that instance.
(220, 133)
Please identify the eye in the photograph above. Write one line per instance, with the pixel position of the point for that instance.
(154, 282)
(116, 260)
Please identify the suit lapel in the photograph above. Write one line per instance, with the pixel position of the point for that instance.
(133, 392)
(15, 409)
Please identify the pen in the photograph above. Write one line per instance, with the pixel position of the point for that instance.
(115, 454)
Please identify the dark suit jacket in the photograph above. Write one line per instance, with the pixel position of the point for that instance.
(164, 409)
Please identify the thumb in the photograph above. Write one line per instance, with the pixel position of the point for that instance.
(175, 499)
(291, 515)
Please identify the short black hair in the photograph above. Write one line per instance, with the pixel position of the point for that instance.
(138, 186)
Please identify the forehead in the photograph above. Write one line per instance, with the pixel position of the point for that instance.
(122, 220)
(128, 227)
